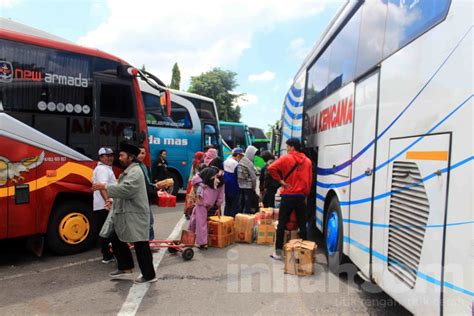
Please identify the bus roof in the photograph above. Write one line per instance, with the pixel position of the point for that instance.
(15, 31)
(191, 95)
(232, 123)
(328, 34)
(147, 88)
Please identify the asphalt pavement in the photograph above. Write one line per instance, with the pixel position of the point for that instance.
(239, 279)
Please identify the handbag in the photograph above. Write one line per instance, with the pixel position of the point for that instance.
(108, 227)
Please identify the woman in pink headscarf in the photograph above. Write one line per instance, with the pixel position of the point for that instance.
(190, 200)
(210, 155)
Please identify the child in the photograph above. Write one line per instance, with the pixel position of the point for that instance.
(209, 187)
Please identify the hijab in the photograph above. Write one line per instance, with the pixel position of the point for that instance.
(209, 156)
(198, 157)
(213, 175)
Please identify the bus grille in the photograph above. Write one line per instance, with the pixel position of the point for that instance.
(409, 210)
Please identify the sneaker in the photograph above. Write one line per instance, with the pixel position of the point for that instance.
(120, 273)
(142, 280)
(202, 247)
(105, 260)
(275, 256)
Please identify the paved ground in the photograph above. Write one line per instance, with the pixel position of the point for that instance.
(240, 279)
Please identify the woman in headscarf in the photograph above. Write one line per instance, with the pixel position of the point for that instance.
(210, 155)
(190, 200)
(209, 187)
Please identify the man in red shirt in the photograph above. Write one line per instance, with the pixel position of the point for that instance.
(293, 171)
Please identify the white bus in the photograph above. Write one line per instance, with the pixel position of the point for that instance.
(388, 119)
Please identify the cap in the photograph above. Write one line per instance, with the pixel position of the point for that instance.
(129, 148)
(237, 151)
(105, 151)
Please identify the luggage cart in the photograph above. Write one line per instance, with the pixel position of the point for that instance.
(184, 246)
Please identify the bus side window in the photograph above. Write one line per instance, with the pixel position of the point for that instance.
(407, 22)
(180, 116)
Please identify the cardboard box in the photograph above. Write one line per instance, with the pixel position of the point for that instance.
(243, 227)
(265, 216)
(220, 231)
(164, 184)
(299, 257)
(220, 241)
(265, 234)
(220, 225)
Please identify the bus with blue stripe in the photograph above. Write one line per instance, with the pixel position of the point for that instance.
(383, 105)
(191, 124)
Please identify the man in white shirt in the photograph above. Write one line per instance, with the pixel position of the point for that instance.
(103, 173)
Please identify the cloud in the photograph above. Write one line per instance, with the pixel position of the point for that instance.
(196, 34)
(8, 3)
(247, 99)
(264, 76)
(298, 48)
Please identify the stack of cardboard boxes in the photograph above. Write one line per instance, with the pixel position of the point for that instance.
(266, 227)
(220, 231)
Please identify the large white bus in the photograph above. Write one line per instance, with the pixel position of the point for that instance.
(388, 120)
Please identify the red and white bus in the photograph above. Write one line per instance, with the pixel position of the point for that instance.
(59, 103)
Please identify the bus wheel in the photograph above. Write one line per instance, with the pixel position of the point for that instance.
(175, 188)
(333, 235)
(71, 228)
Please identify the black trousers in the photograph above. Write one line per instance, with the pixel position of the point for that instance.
(269, 197)
(287, 205)
(232, 204)
(247, 201)
(124, 258)
(100, 216)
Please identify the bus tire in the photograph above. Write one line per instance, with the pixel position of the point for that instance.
(333, 235)
(71, 228)
(175, 188)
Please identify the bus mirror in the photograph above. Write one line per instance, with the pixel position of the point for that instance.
(126, 71)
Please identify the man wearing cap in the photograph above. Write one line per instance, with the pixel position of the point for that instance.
(130, 218)
(232, 190)
(103, 173)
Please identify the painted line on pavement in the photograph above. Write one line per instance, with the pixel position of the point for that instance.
(67, 265)
(137, 292)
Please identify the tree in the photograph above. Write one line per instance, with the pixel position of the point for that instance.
(219, 84)
(175, 77)
(143, 68)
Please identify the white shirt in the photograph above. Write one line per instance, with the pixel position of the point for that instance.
(104, 174)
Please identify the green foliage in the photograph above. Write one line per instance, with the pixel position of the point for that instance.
(143, 68)
(175, 77)
(218, 84)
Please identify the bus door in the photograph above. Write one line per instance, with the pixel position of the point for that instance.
(116, 117)
(365, 130)
(210, 135)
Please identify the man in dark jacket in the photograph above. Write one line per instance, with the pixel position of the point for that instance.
(293, 172)
(268, 185)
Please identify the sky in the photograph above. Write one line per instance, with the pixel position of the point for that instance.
(263, 41)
